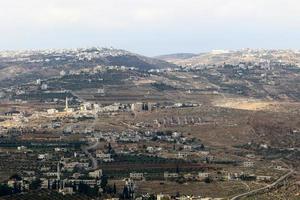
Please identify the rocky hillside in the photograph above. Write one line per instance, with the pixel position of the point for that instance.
(22, 66)
(219, 57)
(176, 57)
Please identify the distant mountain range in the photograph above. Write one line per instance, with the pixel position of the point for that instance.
(218, 57)
(177, 56)
(24, 66)
(32, 64)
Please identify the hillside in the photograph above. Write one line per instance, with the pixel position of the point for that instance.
(219, 57)
(176, 57)
(24, 66)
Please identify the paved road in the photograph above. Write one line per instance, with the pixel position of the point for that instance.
(252, 192)
(86, 151)
(248, 188)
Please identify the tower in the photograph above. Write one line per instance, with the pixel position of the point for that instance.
(58, 171)
(67, 104)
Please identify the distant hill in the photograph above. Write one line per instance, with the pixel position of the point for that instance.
(177, 56)
(218, 57)
(29, 65)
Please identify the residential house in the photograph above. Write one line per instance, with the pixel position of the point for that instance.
(136, 176)
(168, 175)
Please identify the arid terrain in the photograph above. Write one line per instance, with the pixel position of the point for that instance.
(211, 126)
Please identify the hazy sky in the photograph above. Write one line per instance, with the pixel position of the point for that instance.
(150, 27)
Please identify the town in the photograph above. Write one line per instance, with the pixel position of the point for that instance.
(116, 132)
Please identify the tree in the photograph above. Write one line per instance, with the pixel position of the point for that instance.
(87, 190)
(115, 189)
(109, 189)
(125, 193)
(83, 188)
(207, 160)
(207, 180)
(5, 190)
(54, 185)
(35, 184)
(17, 187)
(152, 197)
(202, 146)
(16, 177)
(104, 181)
(109, 148)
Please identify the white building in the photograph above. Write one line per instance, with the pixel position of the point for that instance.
(163, 197)
(150, 149)
(136, 176)
(203, 174)
(44, 156)
(38, 81)
(182, 155)
(137, 107)
(248, 164)
(62, 73)
(50, 174)
(263, 178)
(21, 148)
(168, 175)
(102, 155)
(92, 183)
(66, 191)
(96, 173)
(44, 86)
(52, 111)
(176, 135)
(278, 167)
(70, 166)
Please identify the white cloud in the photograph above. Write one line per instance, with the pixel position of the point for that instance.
(114, 13)
(18, 17)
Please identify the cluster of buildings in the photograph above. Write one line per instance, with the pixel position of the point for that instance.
(94, 108)
(184, 197)
(161, 144)
(138, 136)
(85, 110)
(217, 176)
(52, 55)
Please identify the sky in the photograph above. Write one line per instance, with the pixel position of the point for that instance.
(150, 27)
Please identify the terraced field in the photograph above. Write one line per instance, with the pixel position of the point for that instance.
(45, 195)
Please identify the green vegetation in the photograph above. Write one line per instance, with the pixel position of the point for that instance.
(5, 190)
(83, 80)
(42, 96)
(10, 143)
(46, 195)
(143, 159)
(162, 86)
(35, 184)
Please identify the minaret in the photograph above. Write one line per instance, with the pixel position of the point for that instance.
(58, 171)
(67, 104)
